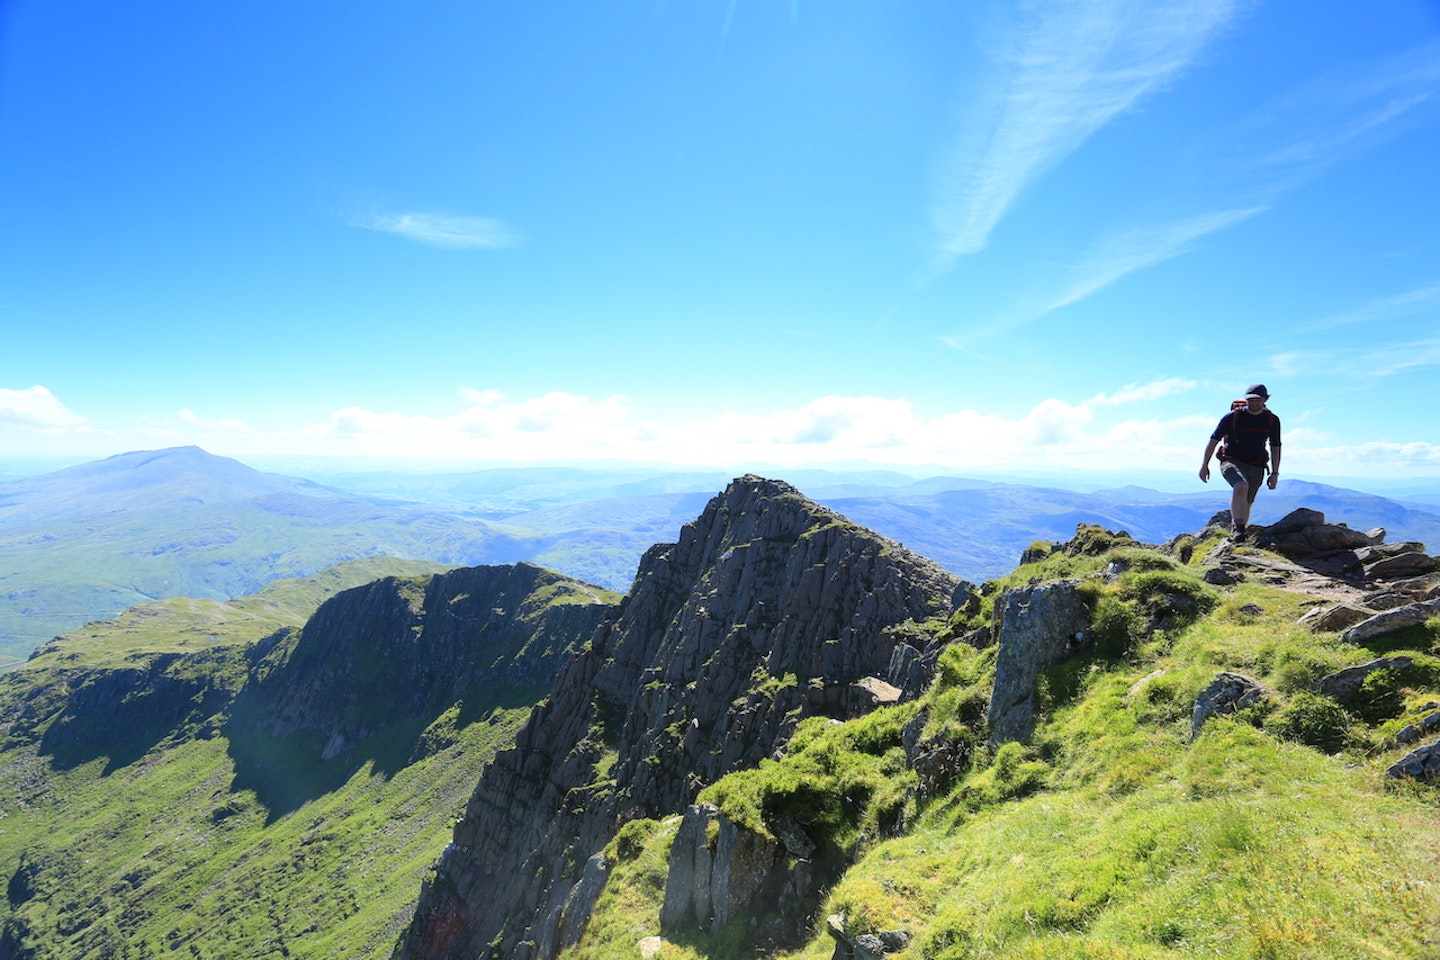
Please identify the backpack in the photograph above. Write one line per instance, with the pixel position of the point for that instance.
(1235, 407)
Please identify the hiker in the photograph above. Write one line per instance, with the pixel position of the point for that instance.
(1241, 438)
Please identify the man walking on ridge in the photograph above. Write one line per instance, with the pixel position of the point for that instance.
(1241, 437)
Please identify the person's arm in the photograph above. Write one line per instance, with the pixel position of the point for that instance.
(1274, 455)
(1205, 461)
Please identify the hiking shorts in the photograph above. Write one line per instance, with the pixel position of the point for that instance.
(1248, 473)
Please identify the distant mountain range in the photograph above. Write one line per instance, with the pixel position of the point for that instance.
(88, 541)
(91, 540)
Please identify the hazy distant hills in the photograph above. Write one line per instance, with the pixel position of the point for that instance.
(89, 541)
(978, 530)
(94, 539)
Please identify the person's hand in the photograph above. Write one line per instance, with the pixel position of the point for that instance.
(1205, 473)
(1274, 479)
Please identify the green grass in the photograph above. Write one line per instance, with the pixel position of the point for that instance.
(1274, 834)
(164, 858)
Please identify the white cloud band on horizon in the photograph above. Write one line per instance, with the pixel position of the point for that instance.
(1055, 436)
(450, 232)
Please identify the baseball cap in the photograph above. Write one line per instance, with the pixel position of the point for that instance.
(1257, 390)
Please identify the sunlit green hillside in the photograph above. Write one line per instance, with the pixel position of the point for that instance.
(1276, 833)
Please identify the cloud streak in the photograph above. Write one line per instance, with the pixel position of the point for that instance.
(1420, 300)
(1294, 140)
(1378, 361)
(1064, 75)
(446, 232)
(1140, 247)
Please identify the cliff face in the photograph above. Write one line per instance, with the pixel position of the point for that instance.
(769, 609)
(397, 652)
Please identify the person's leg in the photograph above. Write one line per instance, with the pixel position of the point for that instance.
(1242, 493)
(1240, 501)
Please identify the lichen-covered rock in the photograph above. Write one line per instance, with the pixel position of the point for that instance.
(1035, 626)
(719, 872)
(1421, 764)
(1410, 615)
(1227, 693)
(1344, 684)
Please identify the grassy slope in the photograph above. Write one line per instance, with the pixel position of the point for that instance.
(1110, 834)
(162, 856)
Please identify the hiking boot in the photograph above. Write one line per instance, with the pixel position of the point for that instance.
(1238, 534)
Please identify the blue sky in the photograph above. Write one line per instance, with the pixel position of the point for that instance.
(1041, 238)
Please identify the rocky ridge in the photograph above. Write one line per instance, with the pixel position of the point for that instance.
(768, 609)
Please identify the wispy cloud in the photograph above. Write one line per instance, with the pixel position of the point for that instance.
(1144, 392)
(1141, 247)
(1289, 143)
(1330, 119)
(1373, 362)
(1111, 259)
(437, 230)
(1409, 303)
(1065, 74)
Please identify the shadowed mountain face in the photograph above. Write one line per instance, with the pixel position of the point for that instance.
(377, 665)
(669, 697)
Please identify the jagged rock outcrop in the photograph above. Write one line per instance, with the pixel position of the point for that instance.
(768, 609)
(1304, 533)
(1035, 627)
(1335, 550)
(712, 879)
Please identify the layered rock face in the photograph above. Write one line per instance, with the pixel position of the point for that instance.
(674, 692)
